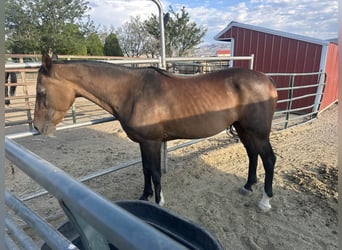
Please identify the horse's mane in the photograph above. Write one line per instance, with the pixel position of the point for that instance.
(161, 71)
(89, 62)
(81, 61)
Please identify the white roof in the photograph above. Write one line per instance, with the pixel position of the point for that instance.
(269, 31)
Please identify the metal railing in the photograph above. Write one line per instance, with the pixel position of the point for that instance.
(290, 115)
(99, 215)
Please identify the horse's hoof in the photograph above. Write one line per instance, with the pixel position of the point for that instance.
(245, 192)
(264, 205)
(144, 197)
(261, 208)
(162, 201)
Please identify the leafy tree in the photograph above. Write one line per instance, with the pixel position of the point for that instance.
(94, 45)
(42, 25)
(181, 34)
(71, 43)
(134, 38)
(21, 26)
(111, 46)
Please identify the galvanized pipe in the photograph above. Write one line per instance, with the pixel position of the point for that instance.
(117, 225)
(162, 33)
(50, 235)
(115, 168)
(10, 244)
(21, 237)
(78, 125)
(89, 177)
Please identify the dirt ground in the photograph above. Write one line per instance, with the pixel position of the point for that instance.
(203, 180)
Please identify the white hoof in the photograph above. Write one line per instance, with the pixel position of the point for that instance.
(245, 192)
(162, 201)
(264, 204)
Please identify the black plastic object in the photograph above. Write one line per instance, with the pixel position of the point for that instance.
(180, 229)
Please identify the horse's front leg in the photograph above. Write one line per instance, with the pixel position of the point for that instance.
(252, 168)
(148, 192)
(150, 154)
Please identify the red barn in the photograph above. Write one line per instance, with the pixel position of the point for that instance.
(281, 52)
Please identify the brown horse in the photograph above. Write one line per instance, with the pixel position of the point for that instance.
(154, 106)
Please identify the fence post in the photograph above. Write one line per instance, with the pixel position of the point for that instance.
(73, 112)
(27, 101)
(251, 62)
(162, 62)
(2, 128)
(289, 103)
(319, 93)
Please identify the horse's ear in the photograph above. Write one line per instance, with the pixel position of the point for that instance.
(46, 62)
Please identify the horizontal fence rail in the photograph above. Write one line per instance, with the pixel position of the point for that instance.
(49, 234)
(295, 115)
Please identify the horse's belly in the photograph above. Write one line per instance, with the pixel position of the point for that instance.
(199, 126)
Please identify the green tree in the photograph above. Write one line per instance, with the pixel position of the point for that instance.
(94, 45)
(43, 25)
(71, 43)
(135, 40)
(21, 26)
(181, 34)
(111, 46)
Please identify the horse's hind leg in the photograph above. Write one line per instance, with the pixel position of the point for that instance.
(150, 154)
(247, 141)
(258, 144)
(268, 157)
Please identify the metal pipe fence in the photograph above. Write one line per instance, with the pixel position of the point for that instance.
(117, 226)
(307, 110)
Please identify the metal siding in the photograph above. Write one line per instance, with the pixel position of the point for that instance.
(276, 55)
(269, 52)
(331, 89)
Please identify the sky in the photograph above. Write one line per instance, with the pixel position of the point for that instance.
(312, 18)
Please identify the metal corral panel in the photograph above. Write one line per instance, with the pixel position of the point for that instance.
(278, 52)
(331, 68)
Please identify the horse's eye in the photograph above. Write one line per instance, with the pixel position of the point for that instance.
(41, 94)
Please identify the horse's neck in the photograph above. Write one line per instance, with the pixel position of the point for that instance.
(106, 89)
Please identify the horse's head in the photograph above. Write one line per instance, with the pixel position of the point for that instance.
(54, 96)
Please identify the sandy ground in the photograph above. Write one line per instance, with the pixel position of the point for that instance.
(203, 180)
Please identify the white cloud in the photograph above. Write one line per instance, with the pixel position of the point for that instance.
(314, 18)
(116, 13)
